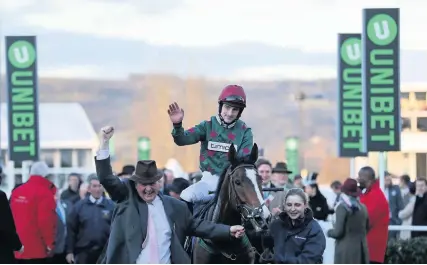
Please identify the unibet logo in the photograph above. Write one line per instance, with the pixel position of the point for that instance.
(382, 29)
(21, 54)
(351, 51)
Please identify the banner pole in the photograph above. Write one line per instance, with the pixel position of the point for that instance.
(381, 169)
(352, 167)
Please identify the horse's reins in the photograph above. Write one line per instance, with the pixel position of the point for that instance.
(251, 213)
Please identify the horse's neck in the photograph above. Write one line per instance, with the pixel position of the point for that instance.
(227, 214)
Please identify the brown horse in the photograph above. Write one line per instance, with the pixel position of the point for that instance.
(238, 200)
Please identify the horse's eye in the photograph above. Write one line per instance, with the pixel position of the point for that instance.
(237, 182)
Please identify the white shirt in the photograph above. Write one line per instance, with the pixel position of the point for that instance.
(163, 232)
(95, 201)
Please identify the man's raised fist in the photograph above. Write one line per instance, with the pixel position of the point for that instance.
(106, 133)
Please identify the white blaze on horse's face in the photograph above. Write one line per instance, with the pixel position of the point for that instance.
(251, 174)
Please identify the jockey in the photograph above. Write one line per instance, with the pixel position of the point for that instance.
(215, 136)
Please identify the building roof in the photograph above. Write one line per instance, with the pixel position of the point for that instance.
(413, 87)
(61, 126)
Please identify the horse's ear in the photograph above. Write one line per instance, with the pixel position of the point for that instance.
(232, 153)
(254, 154)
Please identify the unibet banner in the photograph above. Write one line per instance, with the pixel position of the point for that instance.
(292, 154)
(22, 81)
(350, 103)
(381, 79)
(144, 148)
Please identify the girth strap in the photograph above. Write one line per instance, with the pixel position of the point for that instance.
(210, 247)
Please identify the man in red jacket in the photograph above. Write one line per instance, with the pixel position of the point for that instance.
(378, 213)
(34, 211)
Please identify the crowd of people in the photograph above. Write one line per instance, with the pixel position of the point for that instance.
(75, 226)
(145, 215)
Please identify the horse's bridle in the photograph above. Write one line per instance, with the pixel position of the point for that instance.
(247, 213)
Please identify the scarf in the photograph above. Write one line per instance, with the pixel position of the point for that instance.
(350, 203)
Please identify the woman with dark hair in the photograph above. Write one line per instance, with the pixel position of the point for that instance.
(297, 237)
(318, 203)
(350, 226)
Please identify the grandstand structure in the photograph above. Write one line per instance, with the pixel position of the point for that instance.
(68, 143)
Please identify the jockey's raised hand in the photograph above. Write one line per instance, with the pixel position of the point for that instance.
(216, 135)
(176, 114)
(105, 135)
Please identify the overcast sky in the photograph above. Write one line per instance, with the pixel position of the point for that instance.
(223, 39)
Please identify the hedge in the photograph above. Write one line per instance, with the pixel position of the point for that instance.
(410, 251)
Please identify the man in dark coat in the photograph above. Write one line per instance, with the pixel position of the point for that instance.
(9, 239)
(88, 225)
(395, 203)
(72, 193)
(148, 227)
(419, 216)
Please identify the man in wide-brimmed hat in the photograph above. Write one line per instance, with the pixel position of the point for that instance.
(127, 171)
(280, 175)
(148, 227)
(280, 178)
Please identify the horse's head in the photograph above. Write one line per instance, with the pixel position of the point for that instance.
(242, 188)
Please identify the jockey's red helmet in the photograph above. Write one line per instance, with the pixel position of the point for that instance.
(233, 95)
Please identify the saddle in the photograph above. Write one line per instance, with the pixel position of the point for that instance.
(205, 211)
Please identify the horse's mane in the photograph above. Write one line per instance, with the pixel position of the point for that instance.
(236, 163)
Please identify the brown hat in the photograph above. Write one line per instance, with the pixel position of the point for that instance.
(127, 170)
(350, 188)
(281, 167)
(146, 172)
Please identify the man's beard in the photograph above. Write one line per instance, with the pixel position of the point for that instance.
(362, 186)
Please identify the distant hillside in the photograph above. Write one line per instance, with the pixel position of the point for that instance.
(137, 106)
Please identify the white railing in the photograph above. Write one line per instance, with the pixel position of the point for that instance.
(417, 228)
(328, 255)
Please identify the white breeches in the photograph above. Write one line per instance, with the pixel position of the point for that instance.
(201, 191)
